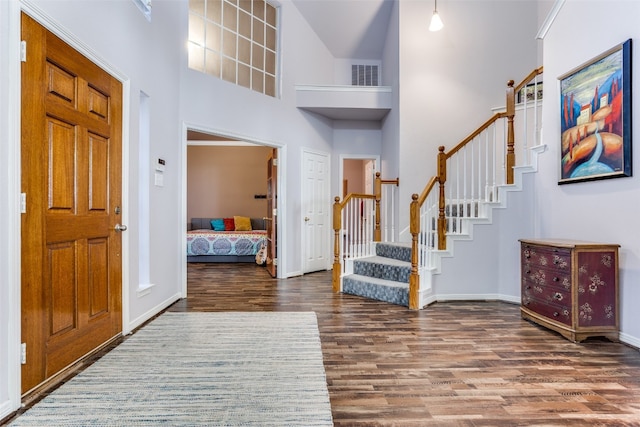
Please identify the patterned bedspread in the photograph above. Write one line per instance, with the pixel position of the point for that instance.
(209, 242)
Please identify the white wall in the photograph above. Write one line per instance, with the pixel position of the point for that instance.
(451, 79)
(391, 77)
(355, 139)
(389, 151)
(601, 211)
(223, 181)
(146, 56)
(226, 109)
(9, 216)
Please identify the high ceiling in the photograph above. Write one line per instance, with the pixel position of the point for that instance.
(349, 28)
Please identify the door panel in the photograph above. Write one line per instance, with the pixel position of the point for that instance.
(62, 286)
(71, 175)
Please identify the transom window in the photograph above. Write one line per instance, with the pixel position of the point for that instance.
(235, 40)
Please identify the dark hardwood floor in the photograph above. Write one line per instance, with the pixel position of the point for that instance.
(451, 364)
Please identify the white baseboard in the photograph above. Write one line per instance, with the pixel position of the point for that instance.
(630, 340)
(153, 311)
(6, 408)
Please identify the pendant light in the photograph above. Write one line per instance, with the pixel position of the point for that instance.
(436, 22)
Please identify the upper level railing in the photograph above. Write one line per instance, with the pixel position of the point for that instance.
(359, 220)
(469, 176)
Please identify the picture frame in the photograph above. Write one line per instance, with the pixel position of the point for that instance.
(530, 93)
(595, 117)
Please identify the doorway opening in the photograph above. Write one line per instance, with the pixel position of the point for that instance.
(358, 173)
(226, 178)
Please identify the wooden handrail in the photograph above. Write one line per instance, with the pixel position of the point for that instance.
(423, 196)
(527, 79)
(350, 196)
(395, 182)
(475, 133)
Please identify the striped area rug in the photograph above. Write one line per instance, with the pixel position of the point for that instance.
(200, 369)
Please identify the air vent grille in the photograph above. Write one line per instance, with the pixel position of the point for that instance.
(364, 75)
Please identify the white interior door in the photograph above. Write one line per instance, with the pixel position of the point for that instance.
(369, 175)
(316, 205)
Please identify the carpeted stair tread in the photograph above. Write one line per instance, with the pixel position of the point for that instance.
(383, 268)
(384, 260)
(378, 289)
(397, 250)
(377, 281)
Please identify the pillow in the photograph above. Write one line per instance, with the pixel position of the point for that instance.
(243, 223)
(229, 224)
(217, 224)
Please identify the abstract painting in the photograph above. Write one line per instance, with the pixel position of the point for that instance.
(595, 110)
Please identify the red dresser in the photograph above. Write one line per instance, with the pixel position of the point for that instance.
(571, 287)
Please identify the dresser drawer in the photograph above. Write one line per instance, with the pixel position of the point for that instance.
(546, 277)
(551, 294)
(545, 257)
(559, 313)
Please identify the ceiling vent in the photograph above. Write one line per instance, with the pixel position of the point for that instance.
(364, 75)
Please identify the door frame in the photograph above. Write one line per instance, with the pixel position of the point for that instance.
(344, 157)
(281, 191)
(13, 173)
(329, 244)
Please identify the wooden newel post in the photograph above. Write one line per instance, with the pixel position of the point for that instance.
(442, 178)
(377, 234)
(337, 226)
(414, 277)
(511, 111)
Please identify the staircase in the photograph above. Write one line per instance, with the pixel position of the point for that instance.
(384, 276)
(473, 178)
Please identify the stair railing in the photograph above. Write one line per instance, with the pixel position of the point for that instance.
(388, 190)
(468, 178)
(358, 222)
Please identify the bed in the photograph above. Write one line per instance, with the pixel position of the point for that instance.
(204, 244)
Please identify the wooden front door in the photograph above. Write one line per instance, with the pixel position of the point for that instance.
(71, 180)
(271, 218)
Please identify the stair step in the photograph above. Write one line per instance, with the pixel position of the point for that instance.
(383, 268)
(399, 251)
(378, 289)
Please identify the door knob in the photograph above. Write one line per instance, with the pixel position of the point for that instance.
(306, 219)
(119, 227)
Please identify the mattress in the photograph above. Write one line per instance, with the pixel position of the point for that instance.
(209, 242)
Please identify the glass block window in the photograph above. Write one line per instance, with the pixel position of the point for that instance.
(235, 40)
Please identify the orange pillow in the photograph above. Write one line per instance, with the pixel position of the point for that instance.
(243, 223)
(229, 224)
